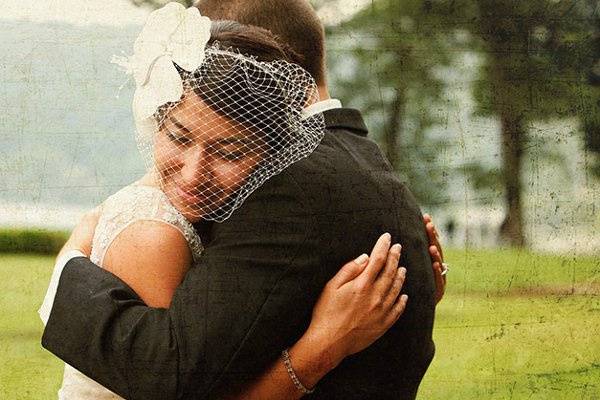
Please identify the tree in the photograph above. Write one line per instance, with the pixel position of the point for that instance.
(537, 57)
(591, 119)
(385, 61)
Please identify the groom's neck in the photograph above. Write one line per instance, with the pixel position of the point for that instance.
(323, 92)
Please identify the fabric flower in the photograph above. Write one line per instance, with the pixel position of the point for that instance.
(172, 34)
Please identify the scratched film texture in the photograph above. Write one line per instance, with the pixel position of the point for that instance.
(486, 109)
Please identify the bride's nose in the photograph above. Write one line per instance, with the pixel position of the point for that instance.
(196, 168)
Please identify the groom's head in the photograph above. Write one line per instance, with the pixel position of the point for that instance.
(295, 22)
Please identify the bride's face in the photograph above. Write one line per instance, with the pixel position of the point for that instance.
(203, 157)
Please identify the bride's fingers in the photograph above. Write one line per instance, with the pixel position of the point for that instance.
(440, 281)
(435, 254)
(377, 259)
(350, 271)
(431, 233)
(386, 276)
(395, 289)
(426, 218)
(397, 310)
(434, 237)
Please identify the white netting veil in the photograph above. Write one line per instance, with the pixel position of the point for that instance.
(238, 122)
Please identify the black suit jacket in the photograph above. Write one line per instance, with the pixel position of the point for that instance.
(255, 286)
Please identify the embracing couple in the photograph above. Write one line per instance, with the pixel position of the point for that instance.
(232, 269)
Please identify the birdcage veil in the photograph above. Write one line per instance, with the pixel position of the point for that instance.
(214, 126)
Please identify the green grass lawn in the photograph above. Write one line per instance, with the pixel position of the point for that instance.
(516, 325)
(26, 370)
(513, 325)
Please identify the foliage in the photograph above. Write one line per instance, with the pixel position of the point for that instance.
(537, 60)
(38, 241)
(386, 62)
(543, 49)
(538, 57)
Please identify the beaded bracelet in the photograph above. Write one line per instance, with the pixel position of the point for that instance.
(288, 366)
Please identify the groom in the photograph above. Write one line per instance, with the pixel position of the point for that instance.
(262, 270)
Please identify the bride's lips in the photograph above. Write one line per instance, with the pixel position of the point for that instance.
(190, 197)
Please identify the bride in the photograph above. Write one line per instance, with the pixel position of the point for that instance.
(219, 109)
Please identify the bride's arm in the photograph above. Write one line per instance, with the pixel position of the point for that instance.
(355, 308)
(152, 257)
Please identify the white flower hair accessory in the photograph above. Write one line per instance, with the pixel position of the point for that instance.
(172, 34)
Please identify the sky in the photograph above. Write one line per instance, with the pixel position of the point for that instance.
(123, 12)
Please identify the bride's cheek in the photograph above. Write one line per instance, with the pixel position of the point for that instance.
(166, 158)
(237, 175)
(219, 178)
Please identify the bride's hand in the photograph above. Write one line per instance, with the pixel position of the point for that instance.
(83, 234)
(360, 303)
(437, 258)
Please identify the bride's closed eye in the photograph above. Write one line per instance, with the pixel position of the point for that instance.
(176, 137)
(230, 155)
(176, 132)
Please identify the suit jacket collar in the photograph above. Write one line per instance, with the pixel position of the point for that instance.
(345, 118)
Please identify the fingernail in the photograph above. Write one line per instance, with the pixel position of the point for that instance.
(397, 247)
(387, 237)
(362, 259)
(402, 271)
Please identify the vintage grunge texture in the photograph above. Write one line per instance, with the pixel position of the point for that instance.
(450, 90)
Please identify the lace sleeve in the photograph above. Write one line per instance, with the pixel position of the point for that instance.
(134, 203)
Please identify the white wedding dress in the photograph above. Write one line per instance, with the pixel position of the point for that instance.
(135, 202)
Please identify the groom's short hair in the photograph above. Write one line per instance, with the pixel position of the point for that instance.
(295, 22)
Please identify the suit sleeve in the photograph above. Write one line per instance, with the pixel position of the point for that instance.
(248, 298)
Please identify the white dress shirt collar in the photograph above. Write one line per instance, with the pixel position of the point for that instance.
(320, 107)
